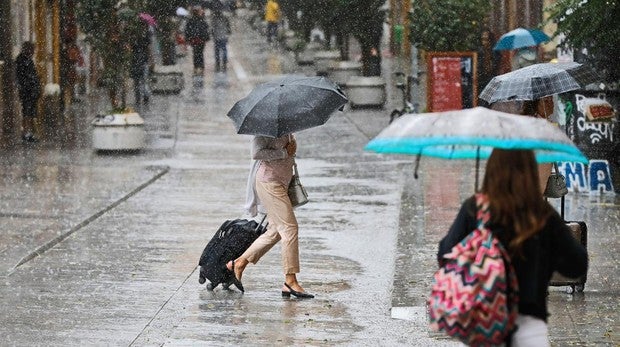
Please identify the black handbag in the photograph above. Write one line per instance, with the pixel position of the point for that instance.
(296, 191)
(556, 184)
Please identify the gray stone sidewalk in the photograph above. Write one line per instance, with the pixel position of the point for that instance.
(125, 232)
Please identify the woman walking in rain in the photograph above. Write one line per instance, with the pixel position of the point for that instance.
(536, 237)
(269, 182)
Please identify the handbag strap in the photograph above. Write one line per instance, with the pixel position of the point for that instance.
(555, 167)
(295, 172)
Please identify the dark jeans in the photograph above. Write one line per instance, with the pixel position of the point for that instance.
(141, 88)
(199, 60)
(29, 108)
(221, 53)
(272, 30)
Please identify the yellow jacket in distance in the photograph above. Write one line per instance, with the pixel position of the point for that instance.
(272, 11)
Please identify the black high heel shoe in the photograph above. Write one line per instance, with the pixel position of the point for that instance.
(295, 293)
(235, 280)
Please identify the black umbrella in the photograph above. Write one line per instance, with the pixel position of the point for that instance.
(286, 106)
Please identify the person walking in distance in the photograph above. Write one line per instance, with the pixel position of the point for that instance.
(272, 16)
(220, 29)
(197, 34)
(268, 181)
(140, 58)
(29, 87)
(535, 236)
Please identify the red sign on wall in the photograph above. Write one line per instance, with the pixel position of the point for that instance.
(451, 83)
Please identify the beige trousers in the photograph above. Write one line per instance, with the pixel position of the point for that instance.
(282, 226)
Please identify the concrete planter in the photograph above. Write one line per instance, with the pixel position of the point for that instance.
(119, 131)
(306, 57)
(323, 59)
(341, 71)
(366, 91)
(167, 79)
(290, 40)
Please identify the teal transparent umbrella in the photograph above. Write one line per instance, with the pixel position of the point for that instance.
(472, 134)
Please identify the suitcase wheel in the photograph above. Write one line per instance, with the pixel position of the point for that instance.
(575, 288)
(210, 286)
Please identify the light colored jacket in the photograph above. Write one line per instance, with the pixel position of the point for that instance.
(271, 164)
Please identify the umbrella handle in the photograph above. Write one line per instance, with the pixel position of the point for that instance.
(417, 164)
(477, 168)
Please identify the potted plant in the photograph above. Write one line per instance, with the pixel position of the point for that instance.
(363, 19)
(110, 29)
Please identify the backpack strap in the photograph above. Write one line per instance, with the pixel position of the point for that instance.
(483, 215)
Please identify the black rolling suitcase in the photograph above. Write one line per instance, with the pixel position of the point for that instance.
(229, 242)
(579, 230)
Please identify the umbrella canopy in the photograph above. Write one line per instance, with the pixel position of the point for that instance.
(182, 12)
(519, 38)
(148, 19)
(286, 106)
(472, 134)
(538, 80)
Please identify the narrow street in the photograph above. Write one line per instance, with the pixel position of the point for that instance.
(102, 248)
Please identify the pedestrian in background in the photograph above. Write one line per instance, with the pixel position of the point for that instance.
(220, 29)
(536, 237)
(29, 87)
(272, 16)
(540, 108)
(140, 61)
(268, 181)
(197, 35)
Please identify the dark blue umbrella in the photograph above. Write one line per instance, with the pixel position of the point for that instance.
(520, 38)
(287, 105)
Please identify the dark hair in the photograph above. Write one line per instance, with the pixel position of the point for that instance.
(28, 46)
(511, 182)
(529, 107)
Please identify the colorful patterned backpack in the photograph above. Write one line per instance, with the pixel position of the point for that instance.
(474, 294)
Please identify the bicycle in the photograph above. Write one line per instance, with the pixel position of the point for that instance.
(404, 82)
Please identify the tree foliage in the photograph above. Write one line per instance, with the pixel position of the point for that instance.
(111, 27)
(110, 30)
(448, 25)
(591, 25)
(362, 19)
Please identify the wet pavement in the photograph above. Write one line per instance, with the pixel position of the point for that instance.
(102, 248)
